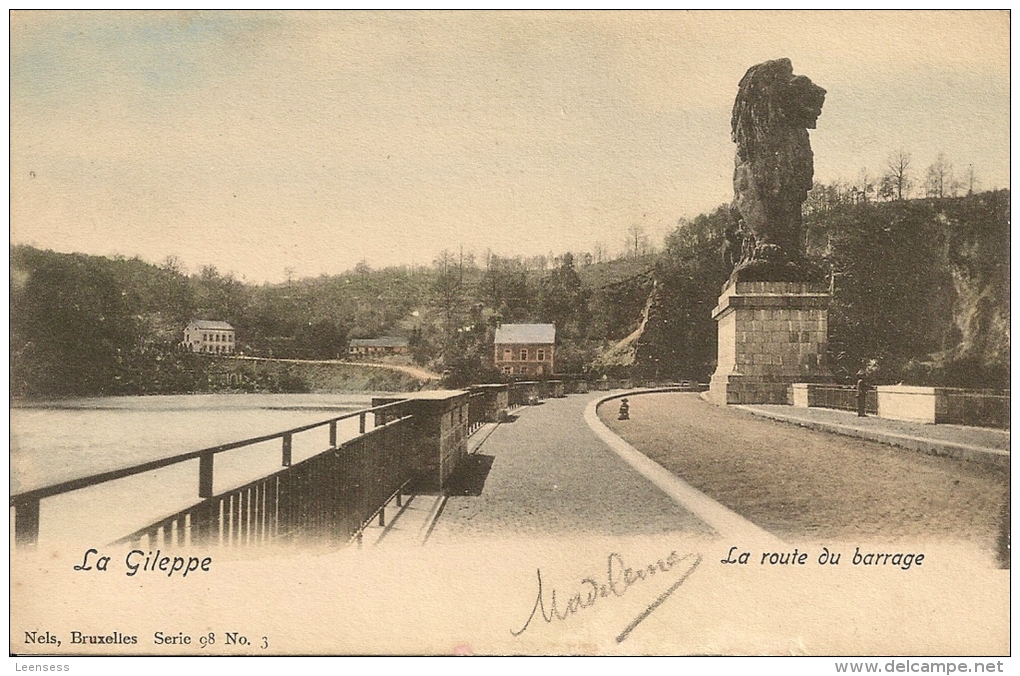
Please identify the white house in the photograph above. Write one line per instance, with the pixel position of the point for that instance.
(210, 337)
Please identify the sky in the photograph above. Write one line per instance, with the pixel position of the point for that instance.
(300, 143)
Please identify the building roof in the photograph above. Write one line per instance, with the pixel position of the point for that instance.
(211, 325)
(511, 334)
(381, 341)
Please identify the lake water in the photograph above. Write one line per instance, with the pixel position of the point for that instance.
(58, 441)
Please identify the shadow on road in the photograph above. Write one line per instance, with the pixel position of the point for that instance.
(470, 475)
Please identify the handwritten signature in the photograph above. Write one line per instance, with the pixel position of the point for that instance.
(619, 578)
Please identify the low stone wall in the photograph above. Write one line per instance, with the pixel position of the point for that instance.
(944, 405)
(905, 402)
(495, 401)
(530, 393)
(800, 395)
(440, 429)
(929, 405)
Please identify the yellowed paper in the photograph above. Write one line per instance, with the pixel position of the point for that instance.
(288, 145)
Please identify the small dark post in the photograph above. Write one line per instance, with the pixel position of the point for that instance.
(332, 434)
(205, 475)
(624, 410)
(286, 450)
(862, 395)
(26, 523)
(361, 423)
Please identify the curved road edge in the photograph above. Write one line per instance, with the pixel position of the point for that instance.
(727, 523)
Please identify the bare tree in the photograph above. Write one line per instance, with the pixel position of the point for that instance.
(865, 186)
(971, 181)
(637, 240)
(896, 182)
(938, 180)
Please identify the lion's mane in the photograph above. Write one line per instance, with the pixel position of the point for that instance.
(774, 164)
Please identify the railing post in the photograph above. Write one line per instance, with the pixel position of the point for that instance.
(286, 450)
(361, 423)
(332, 434)
(26, 523)
(205, 475)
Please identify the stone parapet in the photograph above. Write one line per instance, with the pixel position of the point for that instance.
(495, 400)
(440, 423)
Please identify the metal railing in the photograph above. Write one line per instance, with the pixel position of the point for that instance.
(477, 411)
(841, 398)
(332, 493)
(979, 408)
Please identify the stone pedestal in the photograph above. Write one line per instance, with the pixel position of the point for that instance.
(771, 334)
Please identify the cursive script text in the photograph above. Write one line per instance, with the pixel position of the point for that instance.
(619, 578)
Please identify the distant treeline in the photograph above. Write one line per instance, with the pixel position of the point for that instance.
(90, 325)
(920, 295)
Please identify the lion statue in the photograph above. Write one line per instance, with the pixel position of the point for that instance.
(774, 169)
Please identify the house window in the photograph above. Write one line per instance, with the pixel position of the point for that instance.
(540, 355)
(508, 370)
(508, 355)
(524, 355)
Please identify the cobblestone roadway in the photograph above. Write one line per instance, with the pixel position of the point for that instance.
(797, 483)
(550, 474)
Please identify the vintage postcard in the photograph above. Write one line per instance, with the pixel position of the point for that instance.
(511, 333)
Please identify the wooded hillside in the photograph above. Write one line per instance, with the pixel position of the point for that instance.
(920, 295)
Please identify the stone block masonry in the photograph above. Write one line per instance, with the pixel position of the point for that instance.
(771, 334)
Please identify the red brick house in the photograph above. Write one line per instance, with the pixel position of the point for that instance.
(525, 350)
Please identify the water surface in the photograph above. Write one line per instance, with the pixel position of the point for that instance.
(52, 442)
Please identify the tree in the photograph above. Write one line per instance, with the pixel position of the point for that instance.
(938, 180)
(637, 240)
(896, 182)
(971, 181)
(504, 288)
(679, 339)
(563, 296)
(448, 291)
(71, 325)
(864, 188)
